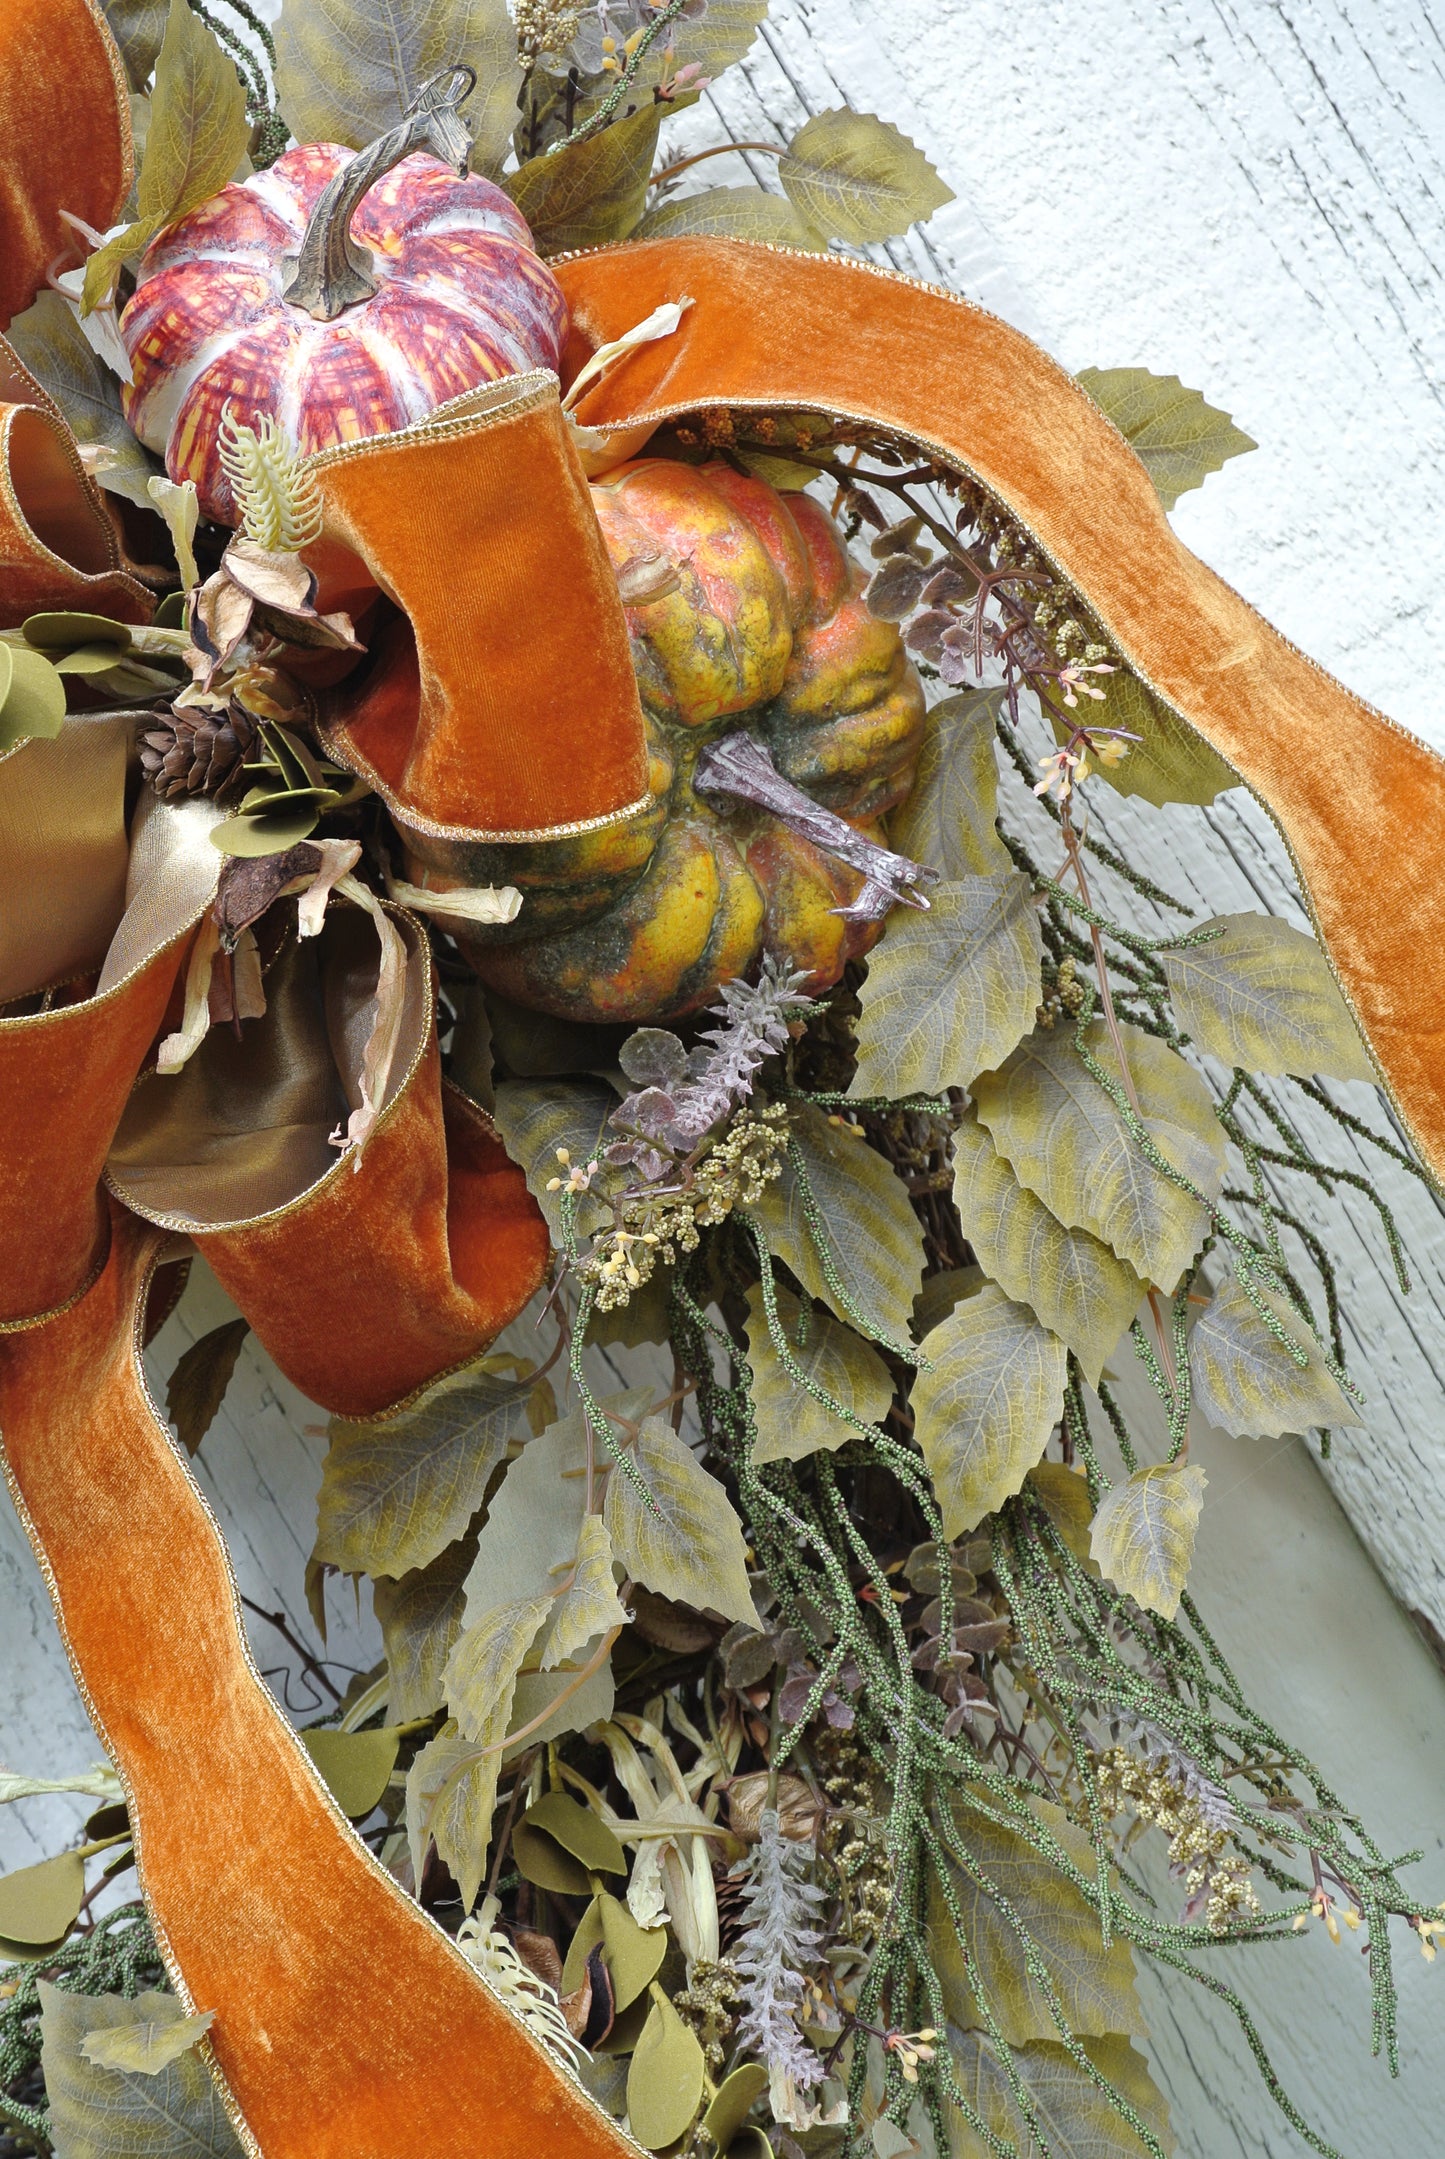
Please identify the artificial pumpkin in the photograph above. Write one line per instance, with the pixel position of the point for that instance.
(747, 620)
(344, 294)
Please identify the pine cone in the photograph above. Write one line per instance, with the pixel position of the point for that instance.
(196, 753)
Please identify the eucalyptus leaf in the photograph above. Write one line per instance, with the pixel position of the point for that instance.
(346, 70)
(33, 708)
(948, 818)
(535, 1118)
(146, 2049)
(593, 192)
(1261, 994)
(420, 1616)
(95, 2113)
(1074, 2113)
(1143, 1533)
(874, 1238)
(396, 1493)
(1246, 1382)
(589, 1606)
(791, 1422)
(1169, 762)
(1177, 436)
(664, 2084)
(733, 213)
(198, 127)
(985, 1407)
(1068, 1143)
(39, 1904)
(356, 1766)
(856, 178)
(688, 1544)
(58, 354)
(197, 1386)
(950, 992)
(1080, 1290)
(63, 629)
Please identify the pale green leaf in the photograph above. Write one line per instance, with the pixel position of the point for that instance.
(33, 705)
(1064, 1496)
(1143, 1533)
(115, 2114)
(857, 178)
(940, 1293)
(577, 1706)
(948, 819)
(791, 1421)
(1262, 995)
(451, 1794)
(734, 213)
(39, 1904)
(198, 126)
(98, 1782)
(396, 1493)
(874, 1238)
(689, 1544)
(420, 1617)
(137, 27)
(951, 991)
(665, 2082)
(535, 1118)
(1245, 1380)
(1081, 1290)
(104, 267)
(1168, 763)
(346, 70)
(716, 37)
(149, 2047)
(589, 1606)
(481, 1672)
(1075, 2116)
(984, 1410)
(1067, 1141)
(1178, 437)
(528, 1542)
(1095, 1985)
(593, 192)
(58, 354)
(355, 1766)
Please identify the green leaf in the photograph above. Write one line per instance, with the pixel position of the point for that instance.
(940, 1293)
(346, 70)
(481, 1672)
(59, 355)
(716, 37)
(1095, 1985)
(198, 126)
(1080, 1290)
(1177, 436)
(792, 1422)
(1262, 995)
(116, 2114)
(1245, 1380)
(951, 991)
(32, 706)
(39, 1904)
(535, 1118)
(451, 1795)
(1169, 762)
(395, 1494)
(559, 1845)
(197, 1386)
(356, 1766)
(984, 1411)
(529, 1539)
(105, 265)
(1143, 1533)
(1064, 1496)
(664, 2084)
(688, 1544)
(1067, 1141)
(420, 1617)
(1075, 2116)
(874, 1238)
(593, 192)
(589, 1606)
(137, 27)
(733, 2101)
(948, 818)
(633, 1954)
(146, 2048)
(857, 178)
(734, 213)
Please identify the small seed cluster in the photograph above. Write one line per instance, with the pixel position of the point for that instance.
(655, 1226)
(1065, 996)
(851, 1783)
(542, 26)
(1197, 1847)
(709, 2005)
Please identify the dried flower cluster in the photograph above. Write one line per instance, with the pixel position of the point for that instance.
(1197, 1826)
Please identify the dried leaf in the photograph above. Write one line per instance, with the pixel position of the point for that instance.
(146, 2048)
(1074, 2114)
(1080, 1290)
(875, 1239)
(948, 818)
(1245, 1380)
(198, 126)
(689, 1543)
(96, 2113)
(389, 54)
(197, 1386)
(1262, 995)
(733, 213)
(1177, 436)
(1143, 1533)
(984, 1411)
(664, 2084)
(592, 192)
(535, 1118)
(792, 1422)
(1067, 1141)
(420, 1617)
(394, 1494)
(356, 1766)
(589, 1606)
(798, 1810)
(856, 178)
(58, 354)
(950, 992)
(1168, 763)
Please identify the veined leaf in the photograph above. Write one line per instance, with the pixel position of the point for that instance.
(589, 1606)
(737, 213)
(451, 1794)
(1067, 1141)
(481, 1672)
(792, 1422)
(529, 1539)
(984, 1411)
(1262, 995)
(716, 37)
(1177, 436)
(389, 52)
(535, 1118)
(147, 2048)
(197, 1386)
(875, 1239)
(593, 192)
(137, 27)
(116, 2114)
(1073, 2113)
(58, 354)
(688, 1545)
(1081, 1290)
(950, 992)
(420, 1616)
(397, 1493)
(1168, 763)
(948, 819)
(198, 127)
(856, 178)
(105, 265)
(1143, 1533)
(1245, 1380)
